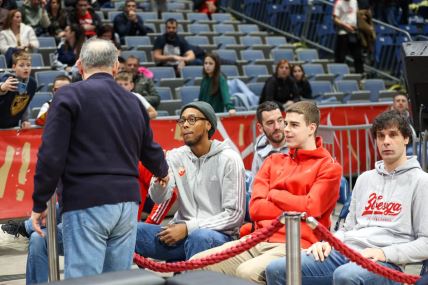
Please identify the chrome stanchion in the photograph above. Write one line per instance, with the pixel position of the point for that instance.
(53, 260)
(423, 145)
(292, 248)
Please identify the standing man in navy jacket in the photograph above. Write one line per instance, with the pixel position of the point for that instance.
(95, 134)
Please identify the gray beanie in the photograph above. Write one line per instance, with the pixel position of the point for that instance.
(208, 112)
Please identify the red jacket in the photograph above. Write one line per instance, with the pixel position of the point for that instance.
(303, 181)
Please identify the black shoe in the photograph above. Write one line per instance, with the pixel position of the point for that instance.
(15, 228)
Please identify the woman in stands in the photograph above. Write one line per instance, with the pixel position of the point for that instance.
(303, 88)
(214, 89)
(69, 48)
(281, 87)
(16, 36)
(106, 32)
(58, 18)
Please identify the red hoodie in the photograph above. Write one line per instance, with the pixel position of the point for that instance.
(302, 181)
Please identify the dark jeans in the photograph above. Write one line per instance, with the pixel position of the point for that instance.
(344, 46)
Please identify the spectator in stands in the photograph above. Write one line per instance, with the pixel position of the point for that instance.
(270, 124)
(122, 64)
(106, 32)
(129, 23)
(125, 79)
(16, 92)
(205, 6)
(69, 48)
(159, 6)
(35, 15)
(16, 36)
(211, 193)
(86, 17)
(59, 81)
(171, 49)
(281, 87)
(113, 123)
(366, 28)
(386, 220)
(143, 84)
(348, 37)
(305, 180)
(404, 5)
(58, 18)
(303, 87)
(3, 15)
(9, 4)
(214, 89)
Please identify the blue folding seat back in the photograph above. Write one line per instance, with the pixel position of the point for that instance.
(312, 69)
(307, 55)
(37, 60)
(135, 41)
(196, 17)
(248, 28)
(221, 17)
(253, 70)
(141, 54)
(174, 15)
(230, 70)
(227, 54)
(276, 41)
(374, 86)
(199, 28)
(223, 28)
(46, 78)
(251, 40)
(197, 40)
(162, 72)
(39, 99)
(252, 55)
(338, 69)
(47, 42)
(223, 41)
(189, 94)
(2, 61)
(164, 93)
(256, 87)
(280, 54)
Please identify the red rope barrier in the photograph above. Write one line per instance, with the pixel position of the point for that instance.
(356, 257)
(256, 237)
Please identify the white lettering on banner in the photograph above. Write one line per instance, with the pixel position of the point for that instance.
(375, 206)
(4, 170)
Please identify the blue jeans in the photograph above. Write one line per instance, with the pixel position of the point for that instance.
(335, 269)
(37, 260)
(99, 239)
(149, 245)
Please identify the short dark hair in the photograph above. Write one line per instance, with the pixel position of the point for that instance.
(61, 78)
(401, 93)
(171, 20)
(266, 106)
(391, 119)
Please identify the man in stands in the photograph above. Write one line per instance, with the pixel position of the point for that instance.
(400, 103)
(86, 17)
(171, 49)
(209, 177)
(305, 180)
(386, 222)
(129, 23)
(142, 84)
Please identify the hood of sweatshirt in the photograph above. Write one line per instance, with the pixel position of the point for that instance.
(384, 210)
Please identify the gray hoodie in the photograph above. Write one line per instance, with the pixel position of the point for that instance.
(211, 188)
(389, 211)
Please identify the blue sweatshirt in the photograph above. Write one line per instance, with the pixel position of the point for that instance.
(14, 105)
(95, 134)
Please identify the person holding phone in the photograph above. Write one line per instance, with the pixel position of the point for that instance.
(16, 92)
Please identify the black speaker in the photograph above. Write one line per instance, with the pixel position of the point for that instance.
(415, 59)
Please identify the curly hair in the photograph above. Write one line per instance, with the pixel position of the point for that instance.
(390, 119)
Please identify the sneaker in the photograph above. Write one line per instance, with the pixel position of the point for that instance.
(15, 228)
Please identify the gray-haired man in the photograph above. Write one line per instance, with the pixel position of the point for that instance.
(91, 145)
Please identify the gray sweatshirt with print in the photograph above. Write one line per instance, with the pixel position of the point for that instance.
(389, 211)
(211, 188)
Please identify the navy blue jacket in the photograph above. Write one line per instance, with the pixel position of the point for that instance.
(95, 134)
(14, 105)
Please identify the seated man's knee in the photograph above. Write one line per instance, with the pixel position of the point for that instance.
(275, 272)
(345, 274)
(247, 272)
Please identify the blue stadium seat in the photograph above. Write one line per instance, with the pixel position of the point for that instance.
(276, 41)
(280, 54)
(165, 76)
(174, 6)
(223, 41)
(46, 78)
(352, 91)
(135, 41)
(256, 73)
(197, 40)
(221, 17)
(230, 70)
(189, 94)
(190, 73)
(112, 14)
(37, 60)
(250, 41)
(315, 71)
(2, 61)
(223, 28)
(39, 99)
(148, 16)
(197, 17)
(377, 89)
(199, 28)
(252, 55)
(307, 55)
(164, 93)
(324, 92)
(175, 15)
(47, 42)
(227, 54)
(256, 87)
(248, 28)
(341, 71)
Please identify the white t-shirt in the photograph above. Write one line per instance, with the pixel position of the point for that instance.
(346, 11)
(143, 100)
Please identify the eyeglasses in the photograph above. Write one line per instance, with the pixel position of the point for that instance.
(191, 120)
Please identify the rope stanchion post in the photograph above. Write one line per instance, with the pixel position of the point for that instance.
(292, 248)
(53, 260)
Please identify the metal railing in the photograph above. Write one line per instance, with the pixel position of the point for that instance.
(312, 24)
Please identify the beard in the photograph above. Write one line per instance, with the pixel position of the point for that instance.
(273, 139)
(171, 36)
(193, 141)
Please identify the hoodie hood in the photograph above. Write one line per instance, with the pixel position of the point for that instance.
(410, 164)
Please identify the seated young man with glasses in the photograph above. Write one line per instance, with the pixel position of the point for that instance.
(210, 178)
